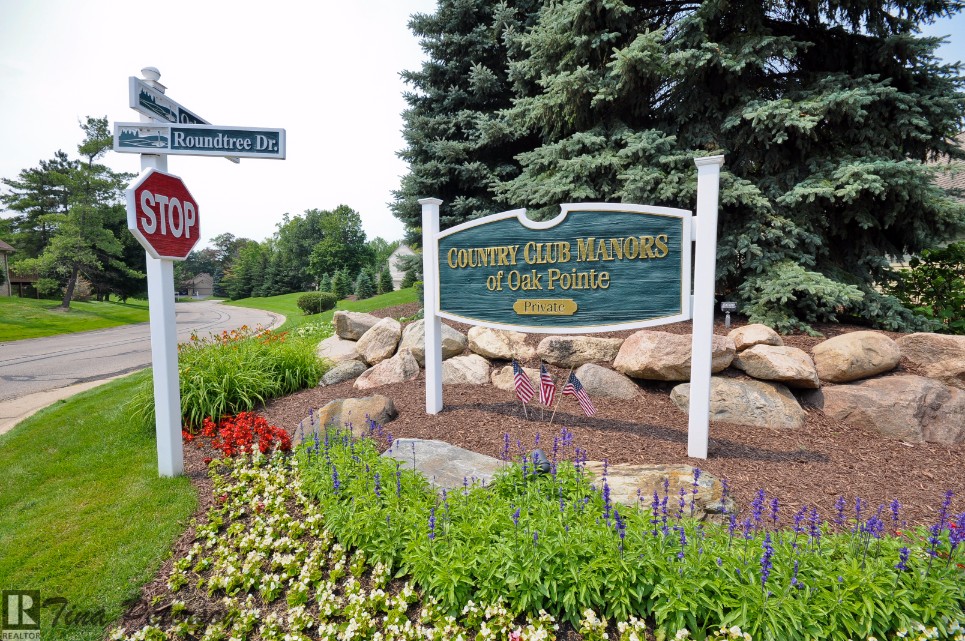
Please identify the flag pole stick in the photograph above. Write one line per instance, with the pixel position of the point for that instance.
(560, 400)
(541, 417)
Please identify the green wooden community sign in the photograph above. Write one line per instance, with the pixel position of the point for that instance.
(595, 267)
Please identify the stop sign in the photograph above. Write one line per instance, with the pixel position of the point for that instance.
(162, 215)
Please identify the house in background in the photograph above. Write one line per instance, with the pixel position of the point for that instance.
(953, 174)
(5, 250)
(201, 286)
(398, 274)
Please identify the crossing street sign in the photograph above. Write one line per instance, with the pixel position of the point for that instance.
(147, 100)
(199, 140)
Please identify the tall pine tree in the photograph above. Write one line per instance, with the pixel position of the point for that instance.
(825, 112)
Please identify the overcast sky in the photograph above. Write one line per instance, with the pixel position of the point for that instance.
(327, 72)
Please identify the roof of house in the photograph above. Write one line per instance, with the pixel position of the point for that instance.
(4, 247)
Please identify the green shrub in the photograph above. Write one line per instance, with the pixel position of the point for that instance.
(235, 371)
(316, 302)
(555, 542)
(408, 280)
(325, 283)
(341, 284)
(934, 287)
(364, 288)
(385, 282)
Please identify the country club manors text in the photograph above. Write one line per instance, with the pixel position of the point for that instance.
(588, 250)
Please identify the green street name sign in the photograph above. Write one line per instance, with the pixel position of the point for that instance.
(595, 267)
(199, 140)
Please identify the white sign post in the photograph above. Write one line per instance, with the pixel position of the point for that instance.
(164, 337)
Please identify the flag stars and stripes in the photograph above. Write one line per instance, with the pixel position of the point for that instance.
(547, 388)
(575, 389)
(524, 388)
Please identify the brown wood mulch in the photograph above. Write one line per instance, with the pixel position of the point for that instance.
(812, 466)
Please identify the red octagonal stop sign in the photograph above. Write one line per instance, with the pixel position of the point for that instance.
(162, 214)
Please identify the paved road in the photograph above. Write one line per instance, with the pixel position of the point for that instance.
(38, 365)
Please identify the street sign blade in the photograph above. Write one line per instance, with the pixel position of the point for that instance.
(150, 102)
(199, 140)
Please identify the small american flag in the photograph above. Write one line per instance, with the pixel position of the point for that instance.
(524, 389)
(547, 388)
(574, 388)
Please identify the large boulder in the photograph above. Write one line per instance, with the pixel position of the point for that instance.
(444, 465)
(414, 337)
(354, 412)
(905, 407)
(855, 355)
(471, 369)
(380, 341)
(788, 365)
(756, 334)
(504, 378)
(337, 349)
(499, 343)
(351, 325)
(343, 371)
(573, 351)
(630, 483)
(936, 356)
(747, 402)
(604, 382)
(663, 356)
(401, 367)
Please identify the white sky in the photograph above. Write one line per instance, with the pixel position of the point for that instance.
(327, 72)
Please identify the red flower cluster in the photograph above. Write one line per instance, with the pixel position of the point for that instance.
(234, 435)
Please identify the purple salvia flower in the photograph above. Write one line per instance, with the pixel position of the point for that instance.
(398, 479)
(536, 441)
(432, 524)
(683, 544)
(775, 507)
(516, 518)
(606, 500)
(794, 576)
(758, 507)
(336, 485)
(378, 486)
(655, 509)
(895, 512)
(799, 519)
(680, 504)
(902, 564)
(535, 537)
(814, 523)
(766, 563)
(839, 507)
(693, 498)
(505, 446)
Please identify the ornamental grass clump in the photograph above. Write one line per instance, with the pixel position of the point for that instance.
(234, 371)
(556, 542)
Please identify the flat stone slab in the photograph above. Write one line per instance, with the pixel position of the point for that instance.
(444, 465)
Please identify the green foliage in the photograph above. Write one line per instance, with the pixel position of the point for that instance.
(825, 115)
(235, 371)
(316, 302)
(22, 318)
(408, 279)
(385, 282)
(341, 284)
(325, 283)
(364, 288)
(934, 286)
(554, 542)
(342, 245)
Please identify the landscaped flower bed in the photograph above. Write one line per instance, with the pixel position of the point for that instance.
(337, 542)
(233, 371)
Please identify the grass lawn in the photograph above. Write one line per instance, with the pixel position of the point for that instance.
(30, 318)
(83, 513)
(286, 304)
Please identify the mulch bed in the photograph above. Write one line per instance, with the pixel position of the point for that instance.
(812, 466)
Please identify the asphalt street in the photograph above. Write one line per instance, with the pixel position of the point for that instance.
(38, 365)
